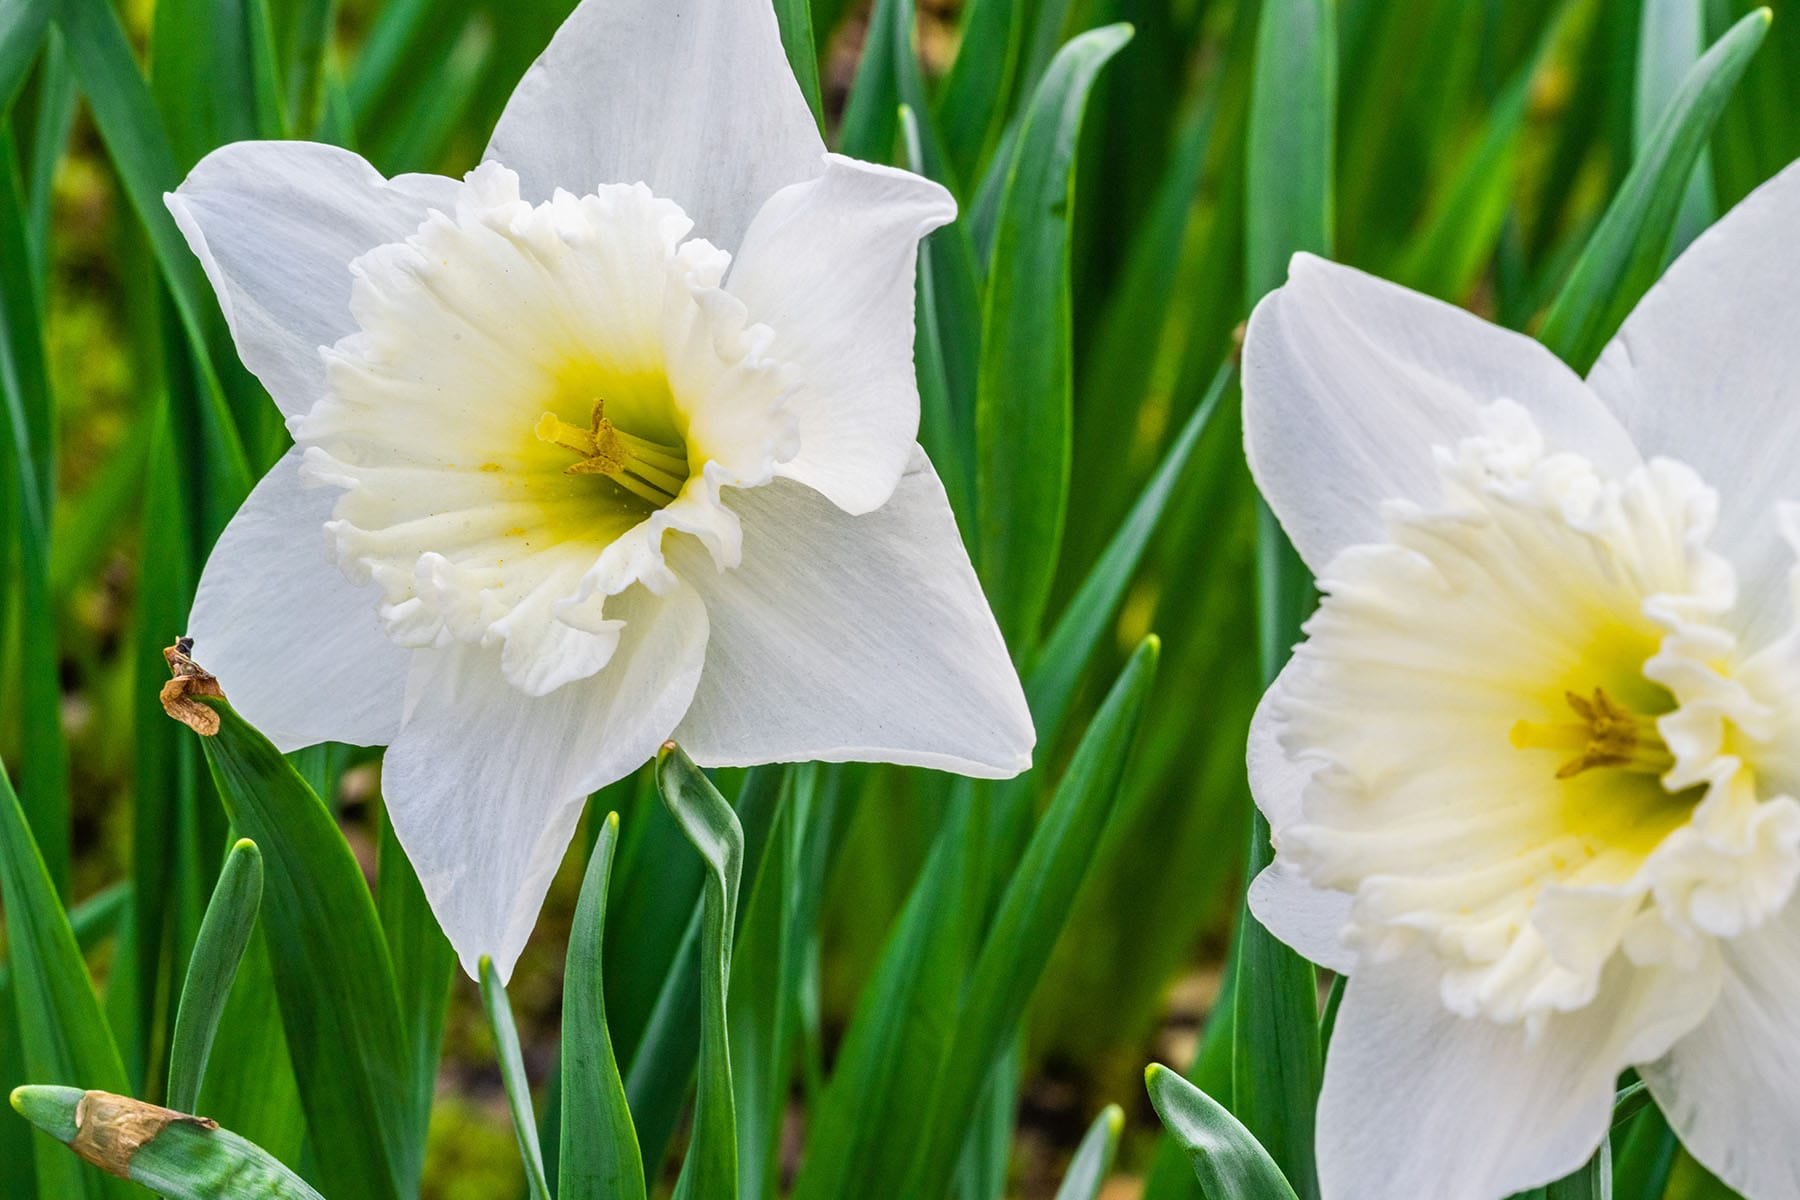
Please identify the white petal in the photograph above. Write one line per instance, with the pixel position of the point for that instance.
(1420, 1102)
(298, 650)
(695, 99)
(859, 639)
(485, 784)
(1312, 920)
(1349, 382)
(1731, 1088)
(276, 224)
(829, 265)
(1703, 370)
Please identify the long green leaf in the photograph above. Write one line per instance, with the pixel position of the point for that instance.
(972, 107)
(1671, 35)
(1627, 250)
(512, 1078)
(1230, 1163)
(710, 1170)
(126, 116)
(65, 1036)
(795, 20)
(22, 25)
(172, 1154)
(1024, 397)
(1030, 916)
(1093, 1158)
(1058, 667)
(1593, 1181)
(1289, 176)
(335, 981)
(599, 1148)
(424, 963)
(224, 933)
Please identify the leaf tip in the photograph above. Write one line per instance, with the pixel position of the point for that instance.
(1114, 1116)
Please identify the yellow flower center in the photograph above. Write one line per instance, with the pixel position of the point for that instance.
(655, 472)
(1608, 734)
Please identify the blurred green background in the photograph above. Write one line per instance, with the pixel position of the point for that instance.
(1477, 143)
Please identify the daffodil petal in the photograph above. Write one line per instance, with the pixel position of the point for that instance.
(1703, 370)
(276, 225)
(298, 650)
(1350, 382)
(485, 784)
(695, 99)
(828, 265)
(1420, 1102)
(1732, 1086)
(846, 638)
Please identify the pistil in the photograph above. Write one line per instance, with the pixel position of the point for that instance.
(1608, 734)
(653, 471)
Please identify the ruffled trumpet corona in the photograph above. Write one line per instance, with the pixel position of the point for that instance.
(610, 441)
(1531, 775)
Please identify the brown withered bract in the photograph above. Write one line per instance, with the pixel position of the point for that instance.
(109, 1129)
(190, 679)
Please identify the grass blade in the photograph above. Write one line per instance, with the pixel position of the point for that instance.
(1024, 396)
(710, 1170)
(22, 25)
(172, 1154)
(1627, 250)
(1059, 666)
(599, 1158)
(224, 933)
(333, 976)
(1093, 1158)
(512, 1077)
(64, 1035)
(424, 964)
(1030, 916)
(1230, 1163)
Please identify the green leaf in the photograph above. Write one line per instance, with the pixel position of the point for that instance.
(1646, 1157)
(1031, 914)
(64, 1034)
(867, 128)
(334, 980)
(172, 1154)
(1671, 35)
(1078, 633)
(1627, 250)
(424, 964)
(599, 1148)
(763, 1000)
(224, 933)
(1023, 409)
(125, 113)
(1592, 1182)
(512, 1078)
(1230, 1163)
(1288, 180)
(22, 25)
(710, 1170)
(972, 107)
(1093, 1158)
(1289, 170)
(795, 20)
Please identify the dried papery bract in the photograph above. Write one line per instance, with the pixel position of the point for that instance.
(110, 1130)
(187, 680)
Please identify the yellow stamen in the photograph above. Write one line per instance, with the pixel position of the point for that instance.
(1607, 735)
(652, 471)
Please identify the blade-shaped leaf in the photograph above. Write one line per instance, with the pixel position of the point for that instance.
(512, 1077)
(424, 964)
(1626, 252)
(1023, 408)
(1030, 916)
(1231, 1164)
(599, 1147)
(1093, 1158)
(710, 1170)
(224, 933)
(334, 980)
(64, 1034)
(172, 1154)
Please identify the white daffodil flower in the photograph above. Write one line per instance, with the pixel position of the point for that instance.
(611, 441)
(1532, 774)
